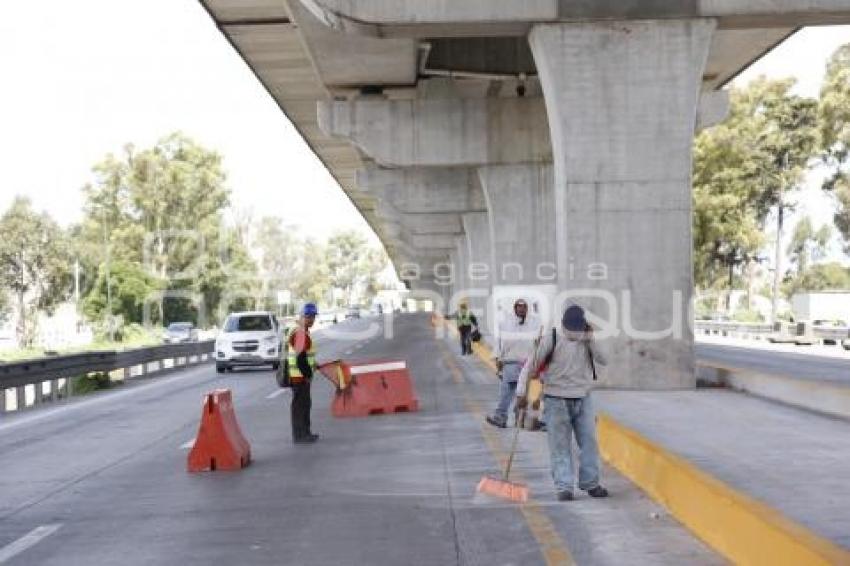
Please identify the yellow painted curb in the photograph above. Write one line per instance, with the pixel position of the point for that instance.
(740, 528)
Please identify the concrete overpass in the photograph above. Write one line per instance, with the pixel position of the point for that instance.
(539, 147)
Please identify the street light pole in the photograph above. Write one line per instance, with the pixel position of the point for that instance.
(780, 216)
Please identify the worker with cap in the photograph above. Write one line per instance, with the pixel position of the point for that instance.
(517, 332)
(571, 355)
(301, 365)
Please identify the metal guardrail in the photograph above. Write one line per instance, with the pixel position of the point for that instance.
(59, 370)
(778, 331)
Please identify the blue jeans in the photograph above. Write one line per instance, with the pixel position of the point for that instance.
(565, 417)
(507, 390)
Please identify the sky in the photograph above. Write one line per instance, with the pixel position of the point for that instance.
(89, 76)
(81, 79)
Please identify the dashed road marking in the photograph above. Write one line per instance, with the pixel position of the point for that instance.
(276, 393)
(29, 540)
(348, 352)
(188, 444)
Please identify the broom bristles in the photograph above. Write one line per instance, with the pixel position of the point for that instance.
(512, 491)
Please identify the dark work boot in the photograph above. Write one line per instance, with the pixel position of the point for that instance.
(597, 491)
(495, 422)
(565, 495)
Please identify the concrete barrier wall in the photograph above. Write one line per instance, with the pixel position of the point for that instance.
(815, 395)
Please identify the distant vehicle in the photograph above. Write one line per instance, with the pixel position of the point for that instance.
(835, 322)
(353, 312)
(178, 332)
(248, 339)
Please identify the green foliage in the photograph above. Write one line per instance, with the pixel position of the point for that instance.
(834, 115)
(740, 168)
(313, 280)
(160, 209)
(807, 244)
(5, 306)
(747, 315)
(345, 253)
(130, 287)
(820, 277)
(83, 384)
(34, 264)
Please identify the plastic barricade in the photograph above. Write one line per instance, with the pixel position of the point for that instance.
(371, 388)
(220, 444)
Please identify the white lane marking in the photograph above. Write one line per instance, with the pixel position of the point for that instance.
(29, 540)
(188, 444)
(277, 393)
(390, 366)
(348, 352)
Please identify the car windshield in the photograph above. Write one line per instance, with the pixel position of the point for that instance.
(248, 323)
(179, 326)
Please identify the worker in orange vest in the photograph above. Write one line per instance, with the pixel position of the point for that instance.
(301, 365)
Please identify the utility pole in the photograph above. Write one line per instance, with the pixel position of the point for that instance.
(780, 216)
(77, 283)
(109, 322)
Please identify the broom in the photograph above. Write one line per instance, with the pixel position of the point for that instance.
(502, 487)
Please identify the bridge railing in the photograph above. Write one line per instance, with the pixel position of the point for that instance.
(27, 383)
(800, 333)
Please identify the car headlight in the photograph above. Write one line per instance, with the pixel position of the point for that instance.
(219, 344)
(270, 339)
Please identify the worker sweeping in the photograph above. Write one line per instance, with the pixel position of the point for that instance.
(570, 355)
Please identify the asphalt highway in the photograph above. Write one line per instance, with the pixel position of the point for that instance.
(103, 480)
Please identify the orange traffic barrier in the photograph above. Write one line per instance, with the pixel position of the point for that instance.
(372, 388)
(220, 444)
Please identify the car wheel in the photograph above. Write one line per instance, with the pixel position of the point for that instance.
(220, 368)
(275, 365)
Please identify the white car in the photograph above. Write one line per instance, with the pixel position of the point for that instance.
(248, 339)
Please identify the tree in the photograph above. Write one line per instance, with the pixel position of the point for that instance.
(161, 208)
(313, 280)
(820, 277)
(834, 120)
(130, 288)
(374, 262)
(5, 306)
(807, 245)
(743, 168)
(281, 256)
(345, 254)
(34, 264)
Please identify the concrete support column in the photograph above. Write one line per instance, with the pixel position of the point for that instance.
(461, 276)
(622, 104)
(521, 215)
(479, 267)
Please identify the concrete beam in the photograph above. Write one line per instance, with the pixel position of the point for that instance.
(421, 222)
(432, 15)
(442, 132)
(424, 190)
(349, 60)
